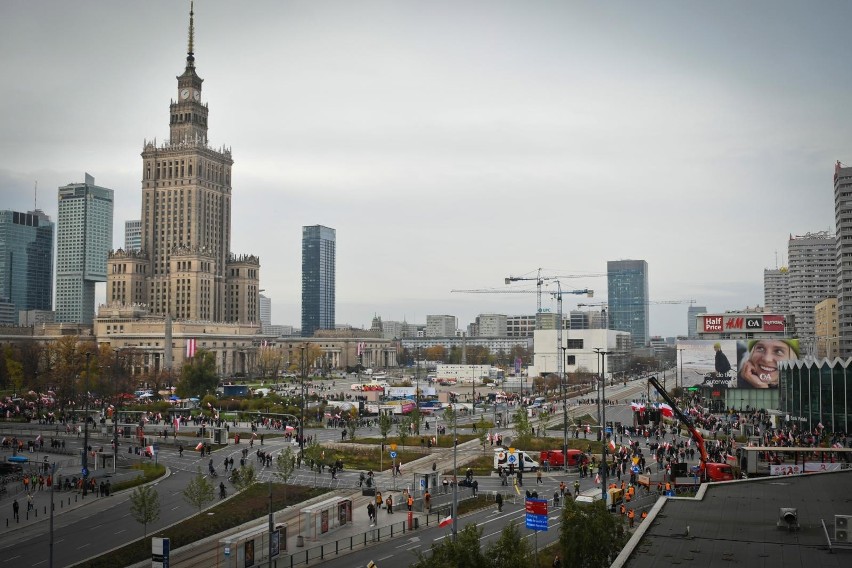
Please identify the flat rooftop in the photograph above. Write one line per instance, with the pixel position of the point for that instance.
(734, 524)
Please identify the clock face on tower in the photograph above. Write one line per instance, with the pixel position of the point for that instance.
(196, 95)
(184, 94)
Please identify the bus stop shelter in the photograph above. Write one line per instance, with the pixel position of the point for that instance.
(323, 517)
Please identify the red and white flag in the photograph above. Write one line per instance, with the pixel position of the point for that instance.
(191, 346)
(612, 444)
(597, 479)
(176, 422)
(666, 410)
(149, 450)
(199, 446)
(448, 520)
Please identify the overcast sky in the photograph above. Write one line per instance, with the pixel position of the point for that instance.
(453, 143)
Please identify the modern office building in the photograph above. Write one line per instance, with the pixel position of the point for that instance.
(83, 243)
(318, 268)
(825, 329)
(133, 235)
(776, 291)
(265, 307)
(185, 267)
(491, 325)
(26, 260)
(812, 277)
(441, 326)
(843, 257)
(692, 321)
(520, 326)
(627, 288)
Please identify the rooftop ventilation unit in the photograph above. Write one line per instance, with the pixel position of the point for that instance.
(788, 518)
(842, 526)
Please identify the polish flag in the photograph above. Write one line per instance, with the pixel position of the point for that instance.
(612, 444)
(149, 450)
(199, 446)
(636, 406)
(448, 520)
(191, 345)
(666, 410)
(597, 479)
(176, 424)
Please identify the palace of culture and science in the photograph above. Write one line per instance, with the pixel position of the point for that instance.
(184, 276)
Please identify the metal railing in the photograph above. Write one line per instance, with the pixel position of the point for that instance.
(341, 545)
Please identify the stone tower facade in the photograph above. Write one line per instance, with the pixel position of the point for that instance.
(189, 270)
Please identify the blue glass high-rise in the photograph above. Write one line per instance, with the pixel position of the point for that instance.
(26, 260)
(627, 288)
(318, 245)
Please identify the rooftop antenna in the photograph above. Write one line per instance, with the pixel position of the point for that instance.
(190, 55)
(35, 196)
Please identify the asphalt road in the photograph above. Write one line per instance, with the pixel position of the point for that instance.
(403, 551)
(106, 523)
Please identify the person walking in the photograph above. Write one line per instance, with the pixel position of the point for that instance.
(410, 501)
(538, 480)
(499, 501)
(371, 512)
(556, 562)
(389, 502)
(15, 509)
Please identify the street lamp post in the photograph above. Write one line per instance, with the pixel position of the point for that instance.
(86, 426)
(603, 355)
(564, 390)
(680, 357)
(302, 417)
(455, 480)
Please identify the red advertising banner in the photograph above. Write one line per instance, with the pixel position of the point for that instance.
(536, 506)
(712, 323)
(774, 323)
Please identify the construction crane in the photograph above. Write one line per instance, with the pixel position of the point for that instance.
(649, 302)
(539, 282)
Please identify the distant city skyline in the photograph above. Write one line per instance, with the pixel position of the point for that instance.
(461, 143)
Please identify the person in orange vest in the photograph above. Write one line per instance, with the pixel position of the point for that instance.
(427, 502)
(668, 486)
(623, 509)
(631, 515)
(628, 497)
(389, 502)
(410, 502)
(644, 515)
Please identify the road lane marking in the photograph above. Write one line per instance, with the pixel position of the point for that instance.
(119, 532)
(84, 546)
(13, 558)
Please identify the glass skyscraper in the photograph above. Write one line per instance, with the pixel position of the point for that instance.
(627, 288)
(26, 260)
(318, 245)
(83, 242)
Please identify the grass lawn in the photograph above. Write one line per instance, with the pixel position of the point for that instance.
(483, 465)
(539, 444)
(414, 441)
(147, 472)
(369, 458)
(252, 504)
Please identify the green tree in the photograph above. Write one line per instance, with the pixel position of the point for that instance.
(199, 491)
(543, 417)
(511, 550)
(415, 418)
(243, 477)
(464, 552)
(199, 376)
(402, 431)
(482, 431)
(352, 423)
(385, 425)
(145, 506)
(523, 427)
(589, 534)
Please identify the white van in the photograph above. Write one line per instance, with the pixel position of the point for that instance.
(506, 457)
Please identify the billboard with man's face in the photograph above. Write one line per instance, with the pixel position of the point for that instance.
(728, 363)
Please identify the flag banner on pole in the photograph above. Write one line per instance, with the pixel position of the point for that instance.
(177, 424)
(199, 446)
(612, 444)
(191, 346)
(666, 410)
(448, 520)
(597, 479)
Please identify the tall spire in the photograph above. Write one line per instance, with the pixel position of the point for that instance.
(190, 58)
